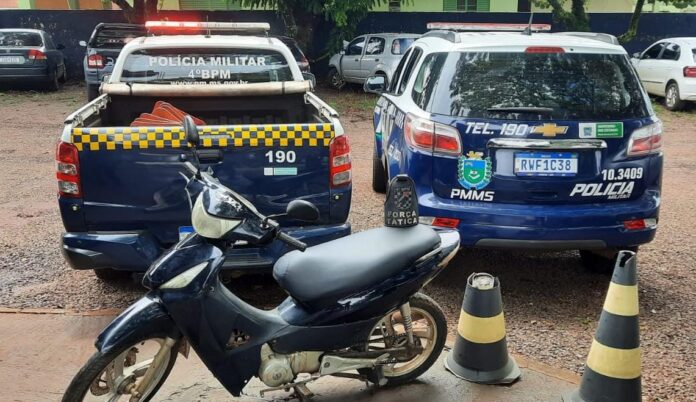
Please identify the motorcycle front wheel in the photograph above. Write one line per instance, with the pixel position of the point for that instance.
(429, 331)
(117, 375)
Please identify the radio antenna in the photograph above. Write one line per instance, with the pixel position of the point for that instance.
(207, 20)
(528, 30)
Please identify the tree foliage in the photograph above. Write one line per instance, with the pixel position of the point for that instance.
(638, 10)
(301, 18)
(575, 19)
(139, 11)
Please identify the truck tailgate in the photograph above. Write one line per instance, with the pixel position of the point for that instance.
(131, 177)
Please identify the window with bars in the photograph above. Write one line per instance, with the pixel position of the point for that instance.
(466, 5)
(394, 5)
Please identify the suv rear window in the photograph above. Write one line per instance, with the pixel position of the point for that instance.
(196, 66)
(115, 38)
(20, 39)
(575, 86)
(400, 45)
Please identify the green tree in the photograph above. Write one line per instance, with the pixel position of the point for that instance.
(638, 10)
(575, 19)
(139, 11)
(301, 18)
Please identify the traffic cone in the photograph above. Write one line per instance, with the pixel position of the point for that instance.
(480, 351)
(612, 372)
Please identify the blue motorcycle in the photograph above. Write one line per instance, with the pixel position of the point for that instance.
(354, 309)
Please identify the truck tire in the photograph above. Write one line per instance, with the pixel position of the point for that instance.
(334, 79)
(672, 100)
(92, 92)
(379, 176)
(109, 275)
(602, 261)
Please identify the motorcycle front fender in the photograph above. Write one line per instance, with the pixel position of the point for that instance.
(144, 319)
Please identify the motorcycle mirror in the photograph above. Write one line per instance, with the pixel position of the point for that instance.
(302, 210)
(191, 131)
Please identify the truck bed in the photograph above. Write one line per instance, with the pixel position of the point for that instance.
(275, 149)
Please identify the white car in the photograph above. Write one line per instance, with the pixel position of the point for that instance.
(668, 68)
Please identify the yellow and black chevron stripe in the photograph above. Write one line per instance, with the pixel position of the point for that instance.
(267, 135)
(480, 350)
(612, 372)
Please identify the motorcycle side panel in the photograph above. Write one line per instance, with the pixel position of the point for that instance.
(144, 319)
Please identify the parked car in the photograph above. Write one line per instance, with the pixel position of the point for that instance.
(297, 53)
(119, 166)
(537, 141)
(103, 48)
(29, 56)
(366, 55)
(668, 68)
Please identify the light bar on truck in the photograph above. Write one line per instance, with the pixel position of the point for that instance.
(487, 27)
(205, 26)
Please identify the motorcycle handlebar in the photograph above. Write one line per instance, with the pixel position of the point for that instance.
(291, 241)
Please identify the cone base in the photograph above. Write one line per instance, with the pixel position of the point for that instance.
(505, 375)
(573, 396)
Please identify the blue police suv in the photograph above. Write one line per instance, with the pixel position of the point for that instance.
(532, 141)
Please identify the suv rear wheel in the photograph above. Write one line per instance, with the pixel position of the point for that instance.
(334, 79)
(602, 261)
(379, 175)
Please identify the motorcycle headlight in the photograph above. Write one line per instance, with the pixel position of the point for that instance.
(184, 278)
(210, 226)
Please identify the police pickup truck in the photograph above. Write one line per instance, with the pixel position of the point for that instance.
(533, 141)
(265, 134)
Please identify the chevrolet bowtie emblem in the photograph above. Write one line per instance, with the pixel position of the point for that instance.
(550, 130)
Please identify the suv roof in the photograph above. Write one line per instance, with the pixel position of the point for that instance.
(452, 41)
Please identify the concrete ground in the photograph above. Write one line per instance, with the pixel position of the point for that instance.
(42, 349)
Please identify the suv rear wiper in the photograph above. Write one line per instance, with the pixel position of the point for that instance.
(521, 109)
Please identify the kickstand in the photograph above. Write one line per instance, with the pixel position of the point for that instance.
(303, 393)
(378, 371)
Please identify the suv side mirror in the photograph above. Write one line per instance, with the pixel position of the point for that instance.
(302, 210)
(106, 78)
(375, 84)
(636, 55)
(82, 43)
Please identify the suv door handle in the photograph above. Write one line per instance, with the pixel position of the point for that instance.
(358, 59)
(376, 59)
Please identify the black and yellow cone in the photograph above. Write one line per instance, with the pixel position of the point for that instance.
(612, 372)
(480, 352)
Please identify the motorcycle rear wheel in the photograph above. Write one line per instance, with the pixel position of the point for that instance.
(105, 376)
(429, 330)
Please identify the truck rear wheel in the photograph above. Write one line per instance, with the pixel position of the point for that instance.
(92, 92)
(109, 275)
(602, 261)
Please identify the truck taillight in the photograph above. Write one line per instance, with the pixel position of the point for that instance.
(645, 140)
(35, 54)
(68, 170)
(95, 61)
(340, 163)
(432, 137)
(690, 72)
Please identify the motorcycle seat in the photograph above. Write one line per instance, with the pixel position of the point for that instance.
(328, 272)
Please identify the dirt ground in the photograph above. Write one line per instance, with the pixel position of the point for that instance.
(551, 303)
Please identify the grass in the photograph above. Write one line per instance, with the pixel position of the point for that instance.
(349, 100)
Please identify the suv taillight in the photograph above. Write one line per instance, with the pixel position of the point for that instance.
(95, 61)
(690, 72)
(68, 170)
(339, 162)
(432, 137)
(35, 54)
(645, 140)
